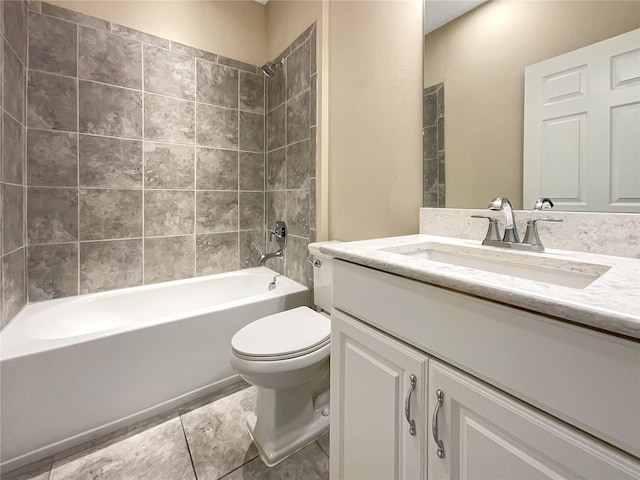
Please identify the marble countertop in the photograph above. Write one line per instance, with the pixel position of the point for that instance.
(611, 302)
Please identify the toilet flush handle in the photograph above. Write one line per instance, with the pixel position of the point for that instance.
(315, 263)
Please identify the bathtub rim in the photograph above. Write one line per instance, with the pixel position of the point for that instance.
(25, 345)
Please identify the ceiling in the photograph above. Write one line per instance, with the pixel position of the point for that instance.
(439, 12)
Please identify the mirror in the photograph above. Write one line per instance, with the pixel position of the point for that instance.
(474, 78)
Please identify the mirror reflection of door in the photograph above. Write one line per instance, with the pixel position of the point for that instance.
(480, 58)
(568, 98)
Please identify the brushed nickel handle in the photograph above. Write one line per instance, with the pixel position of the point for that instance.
(434, 423)
(531, 236)
(492, 231)
(407, 404)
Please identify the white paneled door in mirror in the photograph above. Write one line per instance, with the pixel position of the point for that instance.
(570, 102)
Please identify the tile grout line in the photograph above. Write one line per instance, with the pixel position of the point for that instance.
(141, 91)
(78, 152)
(131, 189)
(121, 239)
(10, 115)
(195, 172)
(131, 139)
(143, 94)
(238, 170)
(286, 156)
(23, 126)
(264, 160)
(186, 441)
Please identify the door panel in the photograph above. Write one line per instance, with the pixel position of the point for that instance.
(488, 435)
(581, 128)
(370, 372)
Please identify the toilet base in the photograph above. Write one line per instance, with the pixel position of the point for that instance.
(297, 422)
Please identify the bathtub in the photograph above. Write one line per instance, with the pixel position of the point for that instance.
(77, 368)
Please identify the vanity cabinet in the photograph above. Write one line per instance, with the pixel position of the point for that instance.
(524, 396)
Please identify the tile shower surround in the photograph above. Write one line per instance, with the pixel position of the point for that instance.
(13, 39)
(291, 153)
(123, 137)
(145, 158)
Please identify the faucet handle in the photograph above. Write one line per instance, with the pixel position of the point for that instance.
(492, 231)
(280, 232)
(543, 203)
(531, 236)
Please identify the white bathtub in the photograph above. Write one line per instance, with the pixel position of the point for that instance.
(77, 368)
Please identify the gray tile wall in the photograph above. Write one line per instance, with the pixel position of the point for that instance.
(13, 59)
(145, 158)
(291, 154)
(433, 178)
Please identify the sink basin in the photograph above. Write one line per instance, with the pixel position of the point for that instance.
(531, 266)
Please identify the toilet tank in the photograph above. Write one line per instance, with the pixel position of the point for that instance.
(322, 276)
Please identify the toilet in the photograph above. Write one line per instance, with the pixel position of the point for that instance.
(286, 356)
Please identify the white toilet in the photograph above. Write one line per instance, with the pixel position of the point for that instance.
(286, 356)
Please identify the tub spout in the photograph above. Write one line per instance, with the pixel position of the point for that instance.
(266, 256)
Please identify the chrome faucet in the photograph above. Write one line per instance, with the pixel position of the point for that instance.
(510, 230)
(266, 256)
(510, 239)
(280, 234)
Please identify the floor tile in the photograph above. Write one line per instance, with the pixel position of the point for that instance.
(323, 441)
(218, 436)
(158, 453)
(218, 443)
(310, 463)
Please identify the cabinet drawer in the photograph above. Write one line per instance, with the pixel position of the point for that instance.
(586, 378)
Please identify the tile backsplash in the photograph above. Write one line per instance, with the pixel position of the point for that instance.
(615, 234)
(145, 158)
(13, 60)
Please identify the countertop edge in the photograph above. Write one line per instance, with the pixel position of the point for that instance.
(609, 321)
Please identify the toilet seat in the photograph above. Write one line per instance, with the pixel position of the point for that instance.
(285, 335)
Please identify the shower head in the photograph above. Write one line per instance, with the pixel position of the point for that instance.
(269, 69)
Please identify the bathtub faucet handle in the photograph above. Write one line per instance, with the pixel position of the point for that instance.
(280, 232)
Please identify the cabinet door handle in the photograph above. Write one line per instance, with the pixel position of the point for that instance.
(434, 423)
(407, 404)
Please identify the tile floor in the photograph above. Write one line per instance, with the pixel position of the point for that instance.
(210, 442)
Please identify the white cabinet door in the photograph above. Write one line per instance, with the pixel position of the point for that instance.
(488, 435)
(370, 383)
(582, 128)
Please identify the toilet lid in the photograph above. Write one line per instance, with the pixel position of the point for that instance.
(283, 335)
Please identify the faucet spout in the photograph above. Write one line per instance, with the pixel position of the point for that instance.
(510, 231)
(267, 256)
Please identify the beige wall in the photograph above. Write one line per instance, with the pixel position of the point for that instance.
(288, 19)
(235, 29)
(481, 58)
(370, 142)
(375, 118)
